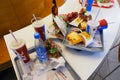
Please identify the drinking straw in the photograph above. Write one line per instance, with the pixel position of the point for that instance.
(98, 10)
(35, 18)
(97, 14)
(13, 36)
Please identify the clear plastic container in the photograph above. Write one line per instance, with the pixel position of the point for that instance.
(40, 48)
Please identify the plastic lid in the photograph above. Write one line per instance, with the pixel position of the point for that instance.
(36, 35)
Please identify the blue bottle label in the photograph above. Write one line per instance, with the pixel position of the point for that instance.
(42, 54)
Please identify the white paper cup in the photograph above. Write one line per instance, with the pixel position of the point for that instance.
(93, 27)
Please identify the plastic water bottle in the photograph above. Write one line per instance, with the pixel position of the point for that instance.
(40, 48)
(89, 6)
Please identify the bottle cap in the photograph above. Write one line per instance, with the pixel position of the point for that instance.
(103, 24)
(36, 35)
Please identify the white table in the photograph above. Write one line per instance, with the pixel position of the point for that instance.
(84, 63)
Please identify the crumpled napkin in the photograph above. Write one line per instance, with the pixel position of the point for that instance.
(38, 73)
(59, 62)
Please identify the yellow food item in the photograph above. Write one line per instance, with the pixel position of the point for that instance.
(83, 25)
(77, 20)
(74, 38)
(87, 39)
(87, 36)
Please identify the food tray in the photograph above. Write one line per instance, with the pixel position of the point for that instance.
(67, 67)
(82, 47)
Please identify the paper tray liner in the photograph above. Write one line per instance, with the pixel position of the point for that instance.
(30, 51)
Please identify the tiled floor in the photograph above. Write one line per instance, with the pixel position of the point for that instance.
(109, 64)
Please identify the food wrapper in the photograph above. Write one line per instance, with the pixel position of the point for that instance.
(87, 39)
(61, 24)
(76, 22)
(74, 37)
